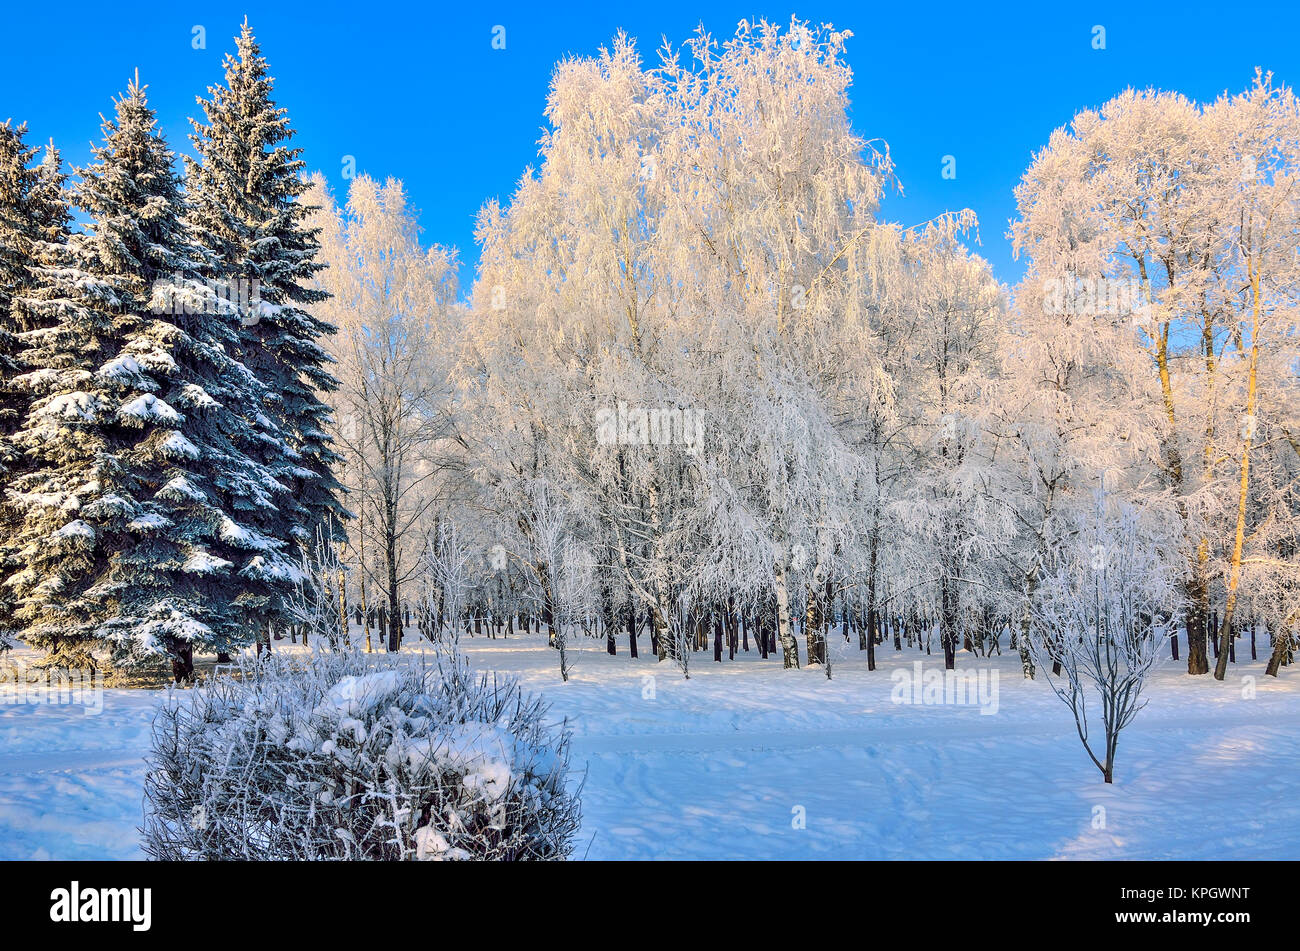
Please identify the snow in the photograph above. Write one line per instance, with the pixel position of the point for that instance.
(274, 568)
(126, 370)
(149, 407)
(484, 754)
(165, 621)
(77, 532)
(83, 406)
(47, 377)
(197, 397)
(180, 489)
(123, 368)
(235, 534)
(724, 765)
(155, 359)
(176, 446)
(353, 695)
(70, 784)
(204, 563)
(149, 522)
(108, 506)
(262, 310)
(432, 846)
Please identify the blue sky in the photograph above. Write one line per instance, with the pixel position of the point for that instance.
(415, 90)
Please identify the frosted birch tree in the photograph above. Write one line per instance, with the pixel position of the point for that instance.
(393, 304)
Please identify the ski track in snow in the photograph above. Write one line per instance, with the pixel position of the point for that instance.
(726, 764)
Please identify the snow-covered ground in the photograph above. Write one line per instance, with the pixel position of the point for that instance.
(745, 760)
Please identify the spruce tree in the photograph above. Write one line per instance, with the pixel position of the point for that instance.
(16, 235)
(34, 228)
(18, 230)
(244, 189)
(140, 518)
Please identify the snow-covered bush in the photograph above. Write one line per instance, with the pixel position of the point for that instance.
(346, 756)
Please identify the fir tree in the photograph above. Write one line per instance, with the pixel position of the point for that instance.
(245, 189)
(15, 241)
(139, 520)
(18, 230)
(34, 226)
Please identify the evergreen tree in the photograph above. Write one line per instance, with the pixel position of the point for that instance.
(15, 242)
(18, 230)
(140, 517)
(34, 228)
(244, 190)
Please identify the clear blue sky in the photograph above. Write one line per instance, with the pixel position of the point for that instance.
(415, 90)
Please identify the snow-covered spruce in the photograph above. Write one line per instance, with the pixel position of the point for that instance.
(244, 190)
(142, 524)
(34, 226)
(349, 756)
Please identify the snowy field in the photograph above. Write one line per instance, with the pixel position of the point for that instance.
(745, 760)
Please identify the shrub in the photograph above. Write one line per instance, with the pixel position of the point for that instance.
(345, 756)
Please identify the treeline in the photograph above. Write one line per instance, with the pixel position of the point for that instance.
(701, 387)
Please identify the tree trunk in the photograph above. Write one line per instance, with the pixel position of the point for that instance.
(365, 611)
(343, 605)
(1281, 654)
(789, 647)
(871, 610)
(182, 654)
(815, 616)
(660, 635)
(948, 622)
(1234, 571)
